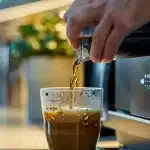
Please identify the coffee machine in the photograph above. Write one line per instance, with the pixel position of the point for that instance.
(126, 83)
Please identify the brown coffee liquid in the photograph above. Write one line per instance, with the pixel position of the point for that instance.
(72, 130)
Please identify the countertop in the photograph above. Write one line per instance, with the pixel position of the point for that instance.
(15, 134)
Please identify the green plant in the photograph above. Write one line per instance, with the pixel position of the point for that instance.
(42, 36)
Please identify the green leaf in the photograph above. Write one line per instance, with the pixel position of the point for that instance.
(28, 31)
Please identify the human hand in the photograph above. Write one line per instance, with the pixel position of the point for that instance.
(114, 19)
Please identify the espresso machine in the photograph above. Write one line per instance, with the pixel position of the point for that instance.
(126, 83)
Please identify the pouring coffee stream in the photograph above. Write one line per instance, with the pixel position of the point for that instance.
(82, 55)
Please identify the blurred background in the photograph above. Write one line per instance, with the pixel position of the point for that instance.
(34, 54)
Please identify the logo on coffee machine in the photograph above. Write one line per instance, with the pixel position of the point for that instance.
(146, 81)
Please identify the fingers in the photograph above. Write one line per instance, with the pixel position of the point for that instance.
(65, 17)
(83, 17)
(99, 38)
(76, 22)
(75, 6)
(113, 42)
(70, 10)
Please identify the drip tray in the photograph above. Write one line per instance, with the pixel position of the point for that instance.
(130, 131)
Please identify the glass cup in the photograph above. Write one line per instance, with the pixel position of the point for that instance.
(72, 124)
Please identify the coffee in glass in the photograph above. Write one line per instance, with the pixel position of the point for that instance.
(73, 128)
